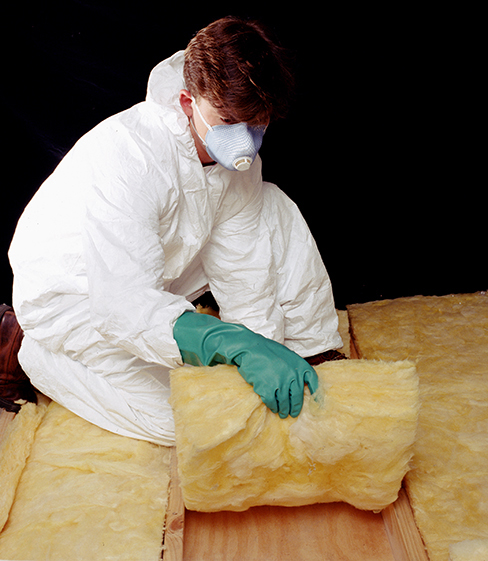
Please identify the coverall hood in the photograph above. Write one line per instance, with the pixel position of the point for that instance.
(164, 86)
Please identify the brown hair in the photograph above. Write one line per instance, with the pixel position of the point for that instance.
(239, 69)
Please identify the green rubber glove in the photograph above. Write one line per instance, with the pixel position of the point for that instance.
(277, 374)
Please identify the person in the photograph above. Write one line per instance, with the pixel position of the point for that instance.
(150, 210)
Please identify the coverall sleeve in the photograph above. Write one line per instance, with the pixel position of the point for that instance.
(125, 264)
(239, 264)
(303, 285)
(266, 272)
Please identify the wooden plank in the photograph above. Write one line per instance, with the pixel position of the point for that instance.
(175, 518)
(406, 543)
(321, 532)
(355, 353)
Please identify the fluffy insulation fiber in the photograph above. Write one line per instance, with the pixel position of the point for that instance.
(447, 337)
(15, 448)
(469, 550)
(87, 494)
(352, 441)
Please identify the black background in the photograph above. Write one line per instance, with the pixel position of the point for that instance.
(383, 150)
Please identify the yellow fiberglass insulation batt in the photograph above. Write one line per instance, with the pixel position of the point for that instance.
(352, 442)
(87, 494)
(469, 550)
(447, 337)
(15, 448)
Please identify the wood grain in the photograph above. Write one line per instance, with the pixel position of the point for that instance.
(322, 532)
(175, 518)
(355, 352)
(405, 541)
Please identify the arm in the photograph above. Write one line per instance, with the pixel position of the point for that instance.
(277, 374)
(239, 263)
(125, 269)
(240, 268)
(304, 290)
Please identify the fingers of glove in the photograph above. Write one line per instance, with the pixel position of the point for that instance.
(270, 401)
(296, 398)
(311, 379)
(283, 396)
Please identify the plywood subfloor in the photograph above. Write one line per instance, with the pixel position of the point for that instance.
(324, 532)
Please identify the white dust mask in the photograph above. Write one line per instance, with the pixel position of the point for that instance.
(233, 146)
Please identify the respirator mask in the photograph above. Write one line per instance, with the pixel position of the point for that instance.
(234, 147)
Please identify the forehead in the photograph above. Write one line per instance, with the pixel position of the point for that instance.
(209, 111)
(219, 114)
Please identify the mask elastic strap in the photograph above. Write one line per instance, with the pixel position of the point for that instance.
(197, 133)
(200, 113)
(202, 118)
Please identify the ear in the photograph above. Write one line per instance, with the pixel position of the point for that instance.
(186, 102)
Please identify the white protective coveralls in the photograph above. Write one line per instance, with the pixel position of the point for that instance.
(126, 232)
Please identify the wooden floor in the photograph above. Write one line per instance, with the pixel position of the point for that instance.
(332, 532)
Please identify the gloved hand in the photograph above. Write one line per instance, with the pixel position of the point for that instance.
(277, 374)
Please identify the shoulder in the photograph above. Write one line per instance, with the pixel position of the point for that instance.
(126, 159)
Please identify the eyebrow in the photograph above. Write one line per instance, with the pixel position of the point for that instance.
(234, 118)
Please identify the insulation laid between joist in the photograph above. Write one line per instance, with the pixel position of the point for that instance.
(469, 550)
(352, 441)
(447, 337)
(86, 494)
(15, 448)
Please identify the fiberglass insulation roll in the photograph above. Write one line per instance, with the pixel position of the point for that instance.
(352, 441)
